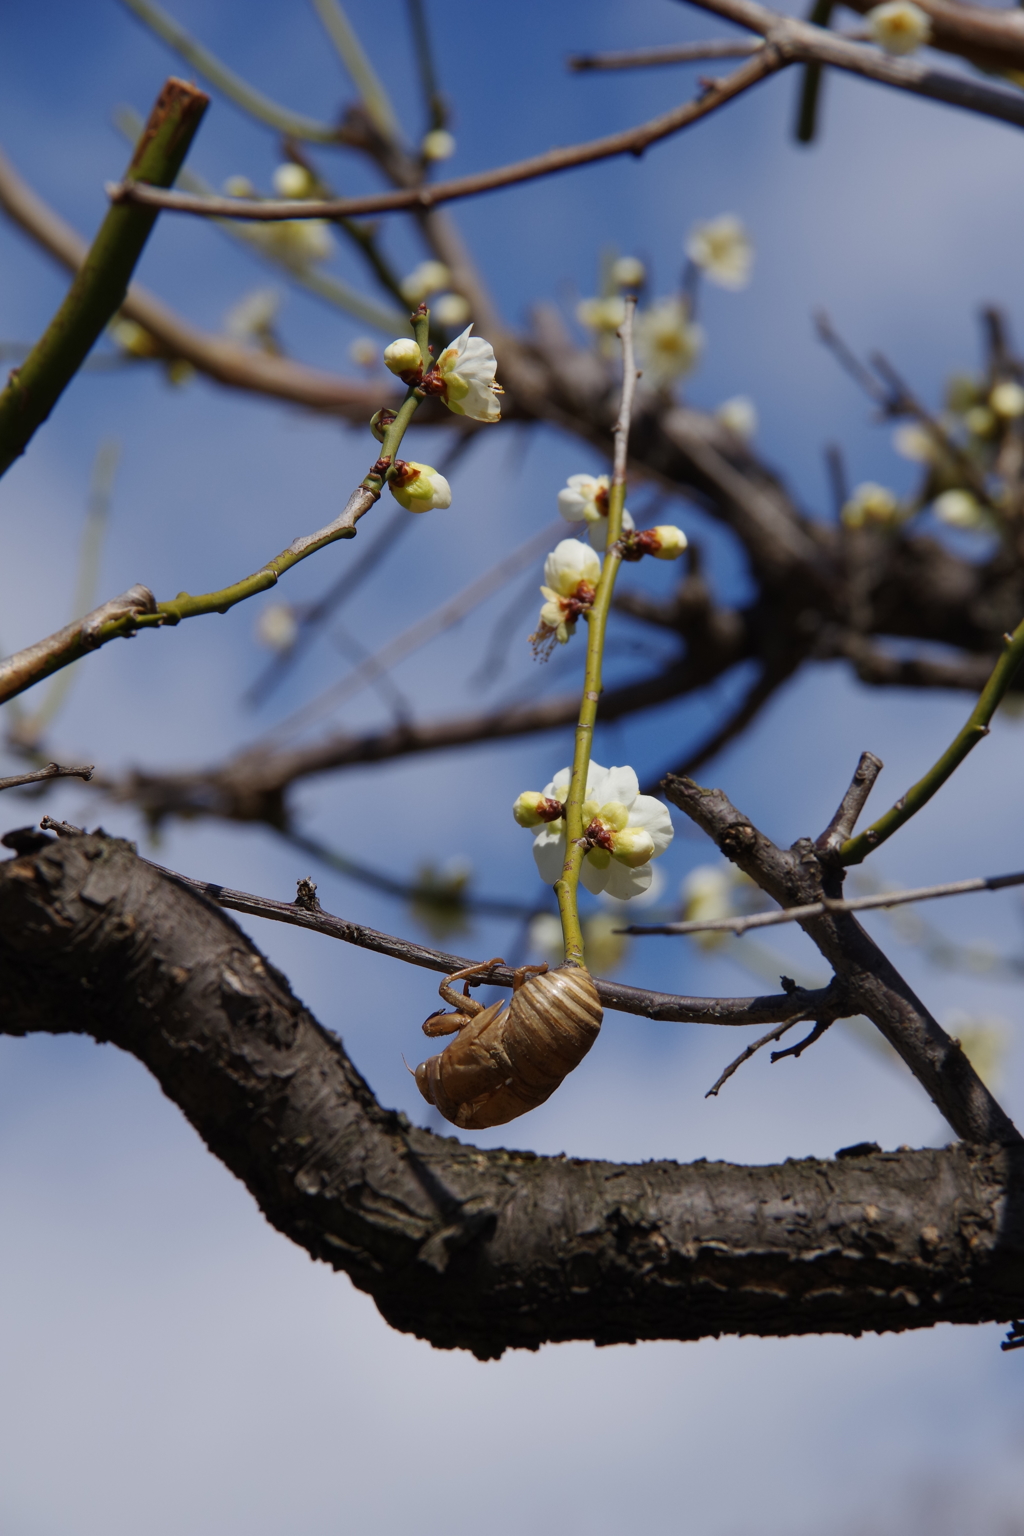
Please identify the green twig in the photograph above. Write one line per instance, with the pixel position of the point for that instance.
(364, 77)
(567, 886)
(97, 292)
(138, 609)
(857, 848)
(437, 111)
(233, 86)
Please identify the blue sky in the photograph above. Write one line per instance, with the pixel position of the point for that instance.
(169, 1362)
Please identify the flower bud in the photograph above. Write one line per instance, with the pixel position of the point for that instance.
(739, 414)
(292, 181)
(451, 309)
(418, 488)
(428, 277)
(363, 352)
(899, 26)
(239, 186)
(438, 144)
(958, 509)
(1007, 399)
(532, 809)
(980, 421)
(871, 503)
(633, 846)
(669, 541)
(403, 357)
(277, 627)
(380, 421)
(628, 272)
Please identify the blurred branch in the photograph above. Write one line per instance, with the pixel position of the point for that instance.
(365, 78)
(671, 53)
(223, 360)
(437, 112)
(976, 728)
(51, 771)
(816, 908)
(233, 86)
(810, 86)
(632, 141)
(34, 389)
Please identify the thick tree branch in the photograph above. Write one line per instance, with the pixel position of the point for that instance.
(487, 1250)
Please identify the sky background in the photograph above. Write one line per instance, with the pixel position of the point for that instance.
(168, 1362)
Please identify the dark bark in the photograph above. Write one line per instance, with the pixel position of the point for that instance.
(487, 1250)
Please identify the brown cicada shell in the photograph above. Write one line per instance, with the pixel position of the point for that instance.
(509, 1058)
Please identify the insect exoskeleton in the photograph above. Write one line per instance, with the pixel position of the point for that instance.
(509, 1058)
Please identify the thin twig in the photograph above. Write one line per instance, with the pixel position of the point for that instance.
(632, 141)
(976, 728)
(739, 925)
(748, 1051)
(34, 389)
(671, 53)
(51, 771)
(797, 1050)
(840, 828)
(418, 634)
(365, 78)
(244, 95)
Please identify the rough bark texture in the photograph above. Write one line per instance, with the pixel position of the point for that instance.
(487, 1250)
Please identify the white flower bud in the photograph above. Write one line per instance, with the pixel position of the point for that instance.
(584, 499)
(277, 627)
(438, 144)
(602, 315)
(533, 809)
(239, 186)
(958, 509)
(364, 351)
(1007, 399)
(292, 181)
(403, 356)
(723, 250)
(569, 563)
(418, 487)
(451, 309)
(871, 503)
(740, 416)
(667, 541)
(628, 272)
(915, 443)
(428, 277)
(899, 26)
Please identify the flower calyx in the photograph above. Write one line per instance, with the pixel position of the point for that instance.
(666, 542)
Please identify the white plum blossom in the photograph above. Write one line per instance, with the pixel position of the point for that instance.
(740, 416)
(292, 181)
(571, 574)
(277, 627)
(624, 830)
(1007, 399)
(602, 315)
(958, 509)
(438, 144)
(451, 309)
(418, 487)
(708, 896)
(668, 343)
(466, 371)
(628, 272)
(584, 499)
(723, 250)
(428, 277)
(899, 26)
(871, 503)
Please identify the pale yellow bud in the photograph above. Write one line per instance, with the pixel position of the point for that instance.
(628, 272)
(1007, 399)
(671, 541)
(532, 809)
(451, 309)
(633, 846)
(403, 356)
(438, 144)
(292, 181)
(419, 488)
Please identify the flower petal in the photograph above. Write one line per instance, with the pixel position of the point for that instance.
(592, 877)
(650, 813)
(549, 854)
(623, 882)
(621, 784)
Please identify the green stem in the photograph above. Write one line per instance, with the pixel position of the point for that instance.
(857, 848)
(100, 286)
(567, 887)
(295, 124)
(365, 78)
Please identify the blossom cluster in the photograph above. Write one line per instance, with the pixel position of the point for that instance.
(623, 830)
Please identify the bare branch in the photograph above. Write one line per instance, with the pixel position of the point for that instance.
(631, 141)
(671, 53)
(816, 908)
(853, 802)
(747, 1052)
(51, 771)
